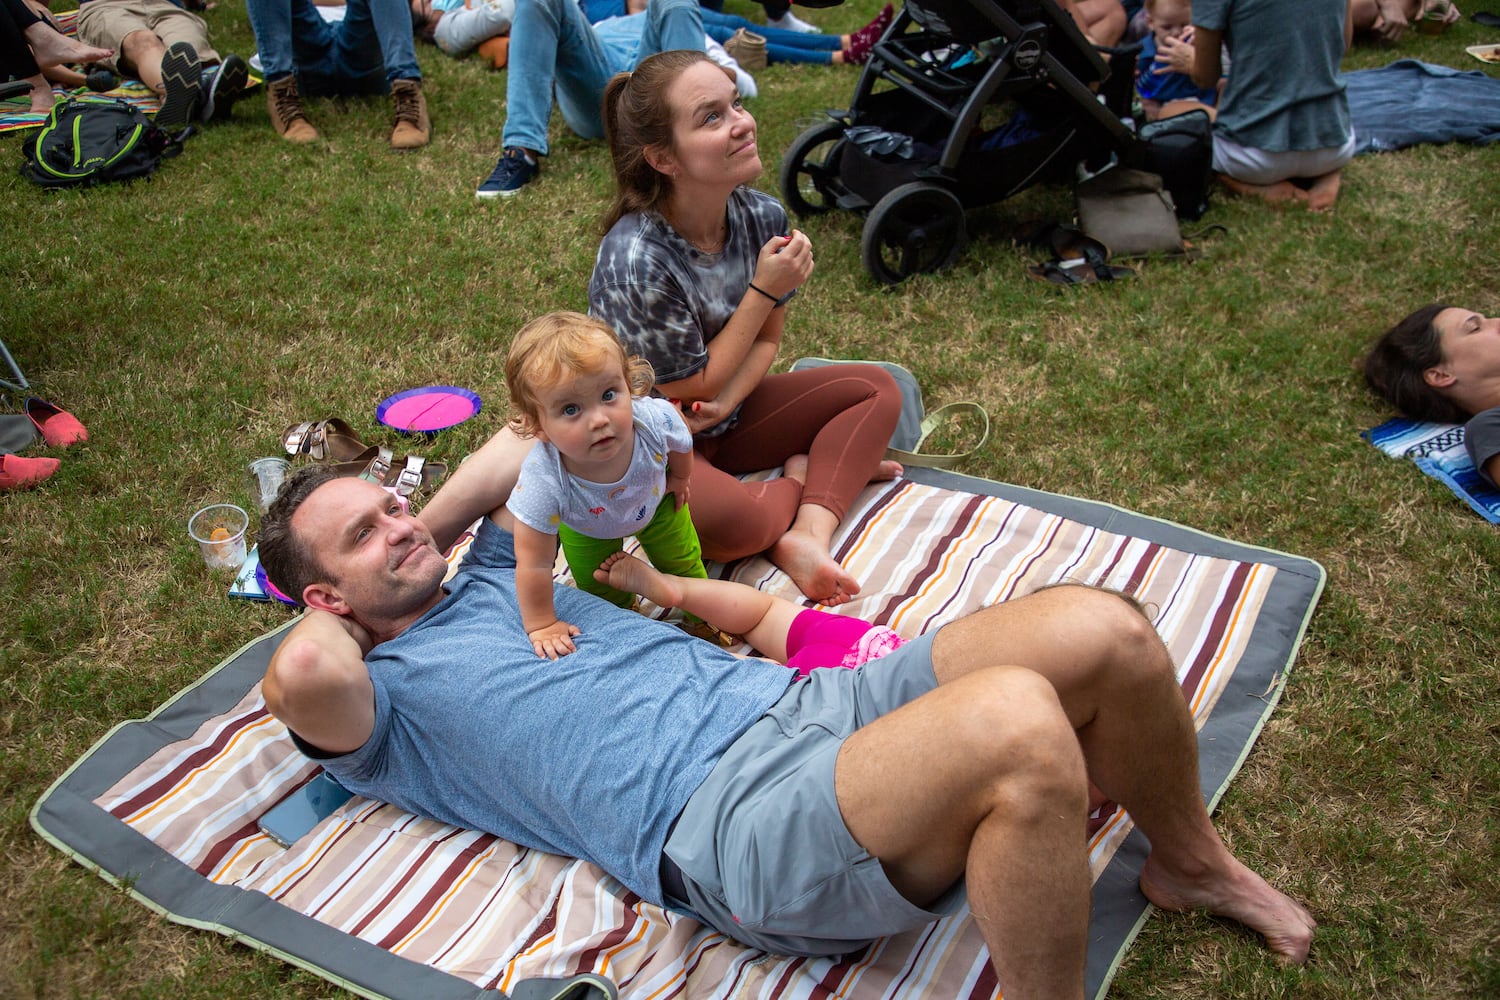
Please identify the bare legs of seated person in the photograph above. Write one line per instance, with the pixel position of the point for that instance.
(1317, 193)
(50, 48)
(1389, 19)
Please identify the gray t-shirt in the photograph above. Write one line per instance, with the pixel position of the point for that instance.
(666, 298)
(592, 755)
(1482, 439)
(1284, 91)
(545, 494)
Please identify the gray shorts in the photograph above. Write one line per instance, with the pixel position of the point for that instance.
(761, 845)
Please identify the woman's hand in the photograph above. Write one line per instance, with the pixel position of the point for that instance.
(785, 262)
(1175, 55)
(703, 414)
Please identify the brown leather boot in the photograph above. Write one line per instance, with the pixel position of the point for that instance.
(411, 129)
(287, 116)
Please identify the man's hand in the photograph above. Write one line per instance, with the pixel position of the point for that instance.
(553, 640)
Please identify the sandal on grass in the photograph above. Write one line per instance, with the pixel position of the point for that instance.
(377, 464)
(1078, 271)
(330, 440)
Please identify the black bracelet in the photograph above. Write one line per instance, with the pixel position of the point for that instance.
(756, 288)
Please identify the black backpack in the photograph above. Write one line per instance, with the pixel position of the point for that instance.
(91, 140)
(1181, 151)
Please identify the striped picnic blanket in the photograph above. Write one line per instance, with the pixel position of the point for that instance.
(1438, 450)
(390, 904)
(16, 114)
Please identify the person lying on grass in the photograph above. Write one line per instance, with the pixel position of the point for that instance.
(955, 767)
(1443, 363)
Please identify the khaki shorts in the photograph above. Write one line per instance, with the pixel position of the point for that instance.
(105, 23)
(762, 848)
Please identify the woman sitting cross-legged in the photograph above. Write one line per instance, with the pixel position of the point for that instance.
(695, 273)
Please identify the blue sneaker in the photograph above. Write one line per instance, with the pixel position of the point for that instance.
(514, 171)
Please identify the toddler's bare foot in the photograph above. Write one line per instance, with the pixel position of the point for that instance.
(53, 49)
(1238, 894)
(623, 571)
(795, 468)
(815, 572)
(1324, 191)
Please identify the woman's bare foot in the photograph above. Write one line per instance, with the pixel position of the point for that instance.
(623, 571)
(1280, 191)
(816, 573)
(886, 471)
(1238, 894)
(1324, 191)
(53, 49)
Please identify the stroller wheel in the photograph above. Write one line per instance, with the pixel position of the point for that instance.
(917, 228)
(809, 168)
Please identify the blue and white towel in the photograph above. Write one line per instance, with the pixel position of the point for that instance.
(1410, 102)
(1438, 449)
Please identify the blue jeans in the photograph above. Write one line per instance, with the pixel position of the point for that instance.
(551, 41)
(782, 46)
(362, 54)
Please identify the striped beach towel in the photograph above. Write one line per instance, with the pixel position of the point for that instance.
(1438, 450)
(392, 905)
(16, 113)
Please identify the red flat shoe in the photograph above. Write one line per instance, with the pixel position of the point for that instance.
(59, 428)
(17, 473)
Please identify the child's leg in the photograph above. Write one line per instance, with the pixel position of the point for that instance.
(583, 555)
(763, 619)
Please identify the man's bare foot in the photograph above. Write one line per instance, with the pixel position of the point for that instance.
(53, 49)
(1323, 191)
(623, 571)
(815, 572)
(886, 471)
(1280, 191)
(1240, 895)
(795, 468)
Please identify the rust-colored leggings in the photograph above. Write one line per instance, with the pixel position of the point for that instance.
(840, 416)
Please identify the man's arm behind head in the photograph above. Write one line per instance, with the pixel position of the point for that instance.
(317, 684)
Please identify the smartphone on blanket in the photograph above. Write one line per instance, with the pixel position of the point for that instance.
(289, 820)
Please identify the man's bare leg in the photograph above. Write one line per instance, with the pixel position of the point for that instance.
(1116, 683)
(761, 618)
(982, 779)
(1091, 666)
(142, 51)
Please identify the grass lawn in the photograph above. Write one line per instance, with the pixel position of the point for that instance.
(252, 284)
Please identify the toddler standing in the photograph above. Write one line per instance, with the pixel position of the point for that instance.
(609, 461)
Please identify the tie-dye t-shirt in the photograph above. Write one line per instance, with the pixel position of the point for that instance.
(666, 298)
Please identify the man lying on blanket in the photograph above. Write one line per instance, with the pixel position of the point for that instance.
(803, 817)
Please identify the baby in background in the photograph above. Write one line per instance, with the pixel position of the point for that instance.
(609, 461)
(1163, 91)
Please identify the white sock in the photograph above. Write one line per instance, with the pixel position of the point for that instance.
(743, 82)
(791, 22)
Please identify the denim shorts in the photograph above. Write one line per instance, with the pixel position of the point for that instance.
(761, 847)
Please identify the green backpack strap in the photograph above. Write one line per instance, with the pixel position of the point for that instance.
(586, 986)
(937, 418)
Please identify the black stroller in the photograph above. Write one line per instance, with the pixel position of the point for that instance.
(963, 103)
